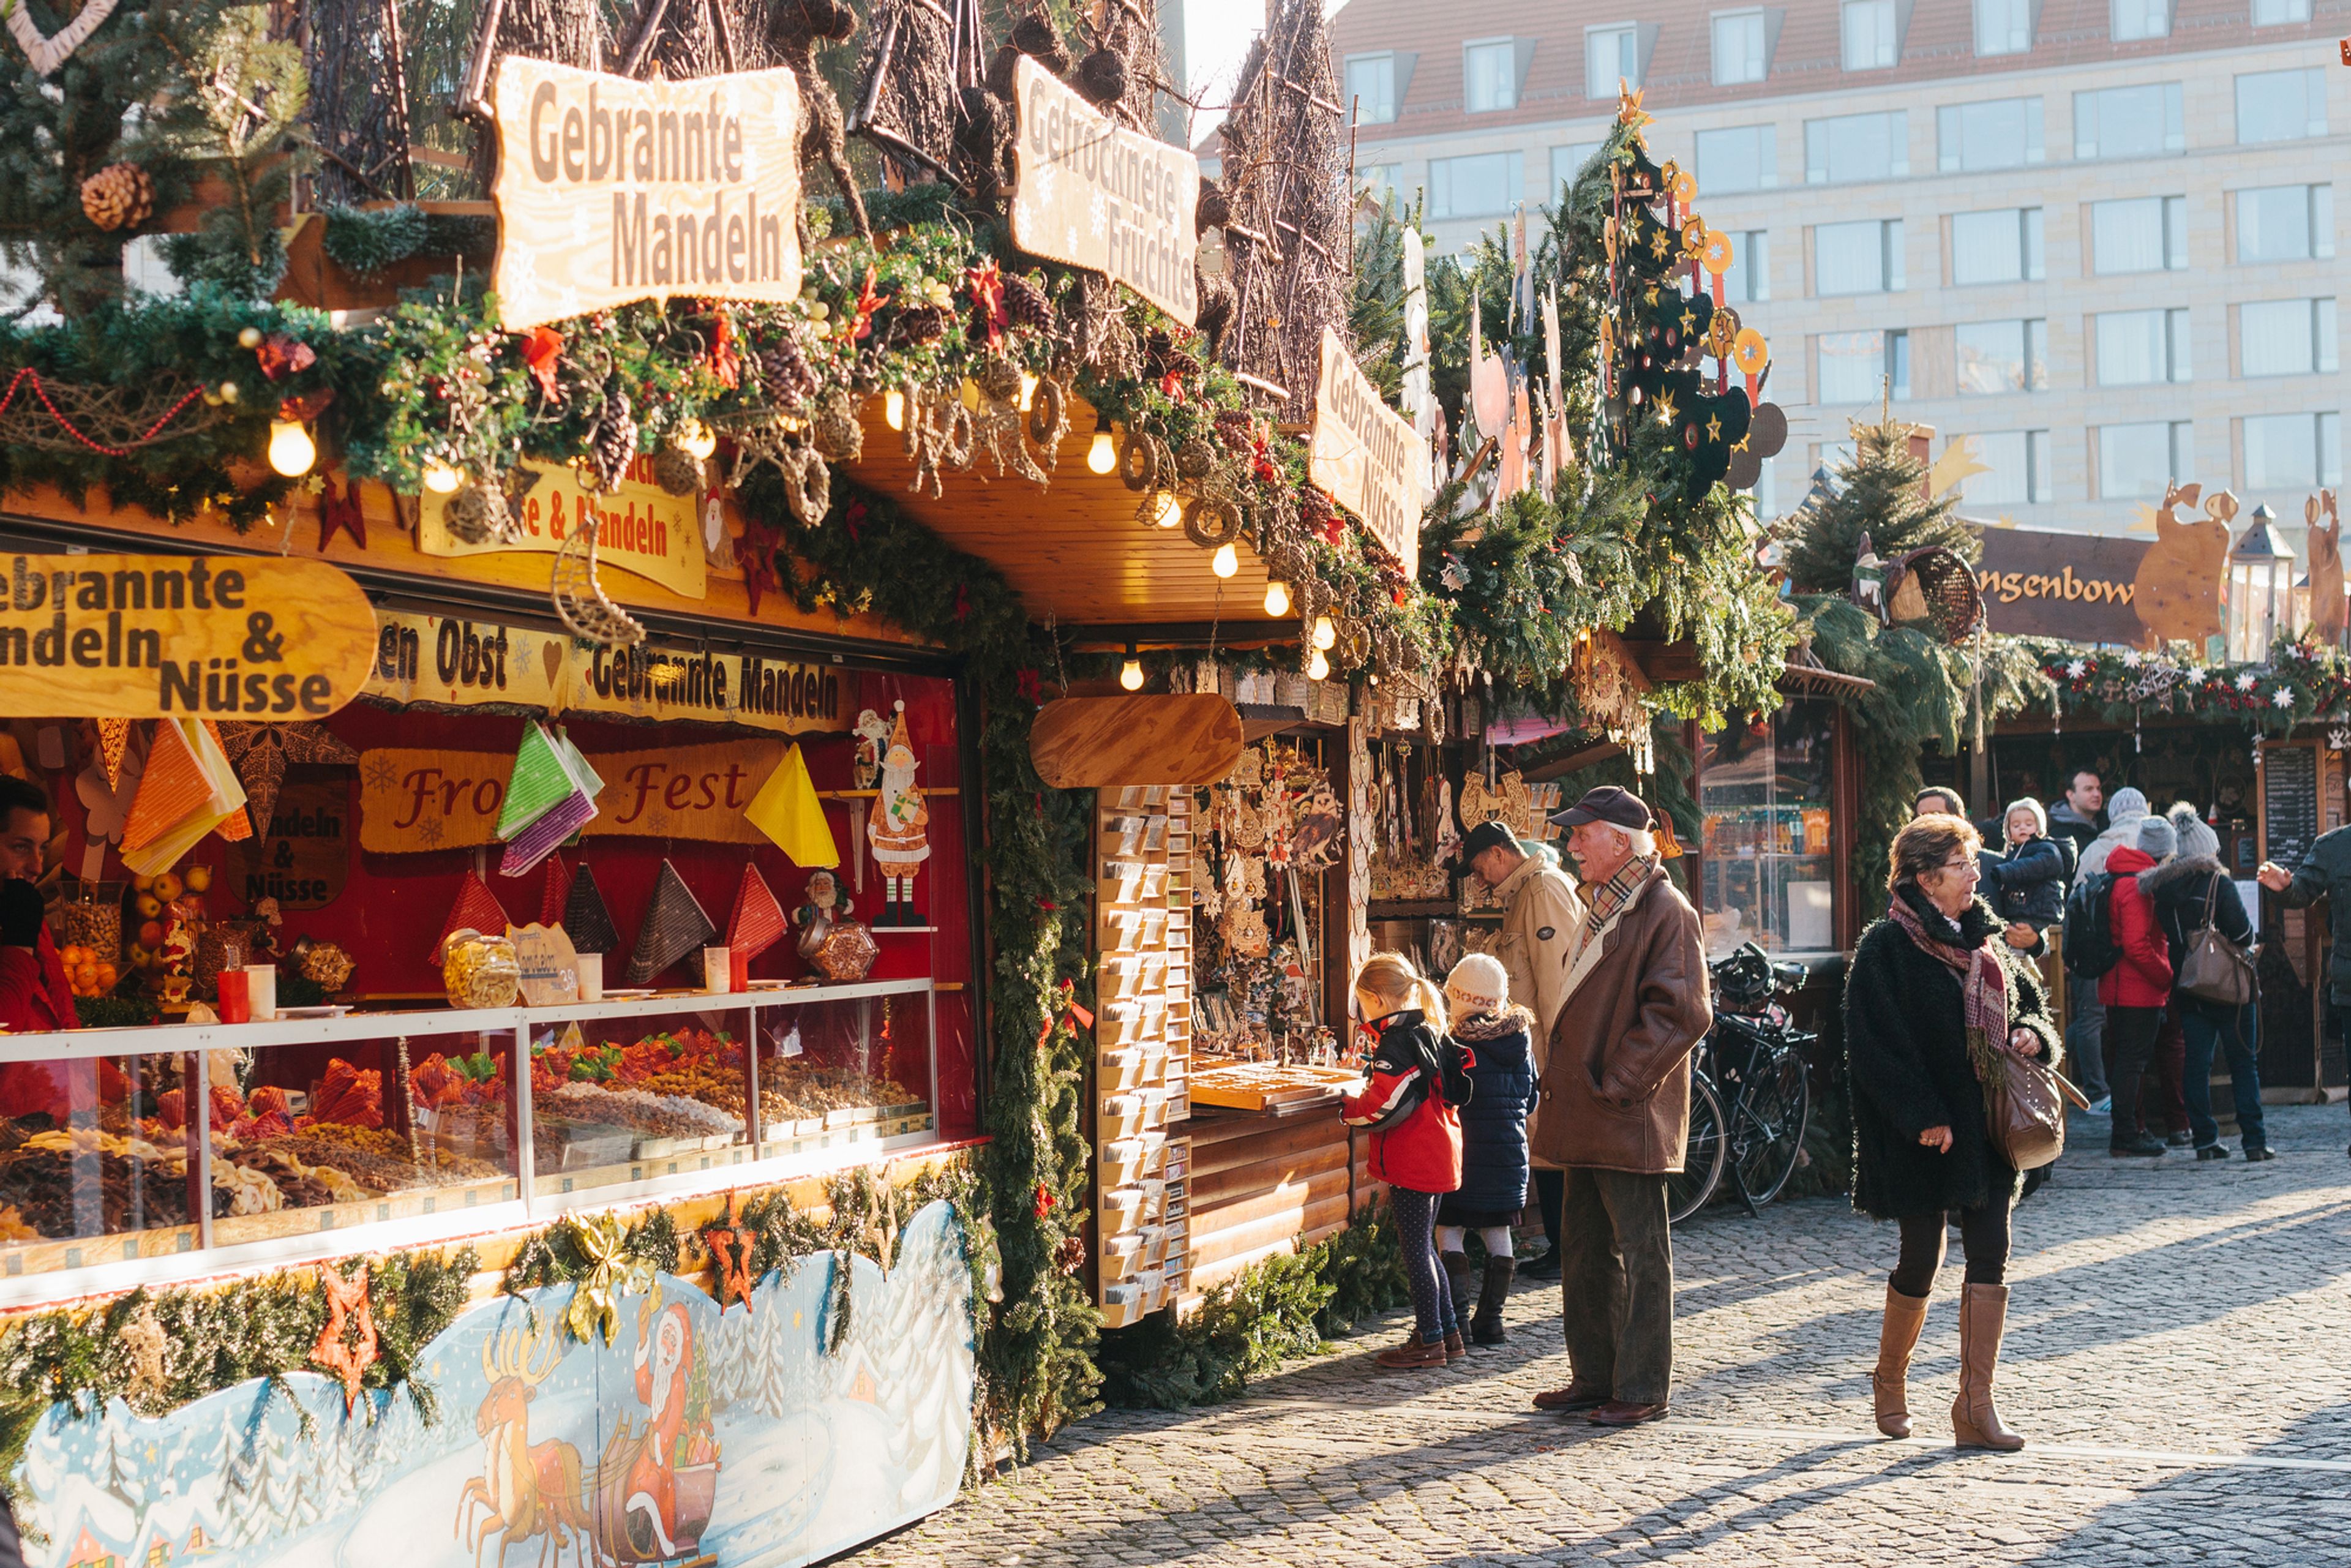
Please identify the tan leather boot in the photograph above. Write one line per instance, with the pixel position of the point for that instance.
(1983, 1310)
(1905, 1316)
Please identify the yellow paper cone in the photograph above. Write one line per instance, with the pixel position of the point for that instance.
(206, 769)
(786, 809)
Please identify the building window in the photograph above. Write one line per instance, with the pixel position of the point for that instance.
(1857, 259)
(1370, 87)
(1741, 53)
(1749, 276)
(1743, 158)
(2287, 338)
(2137, 460)
(1872, 38)
(2294, 451)
(2285, 223)
(2281, 106)
(2000, 247)
(1852, 147)
(1612, 56)
(1567, 163)
(1490, 74)
(2141, 348)
(1995, 357)
(2279, 13)
(2143, 233)
(2003, 26)
(1479, 186)
(2018, 461)
(2129, 121)
(2004, 133)
(2134, 20)
(1863, 367)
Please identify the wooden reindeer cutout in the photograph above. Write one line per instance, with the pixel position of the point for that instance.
(2326, 604)
(2177, 591)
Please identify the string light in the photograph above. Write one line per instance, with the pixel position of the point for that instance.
(442, 479)
(1228, 561)
(1027, 390)
(695, 440)
(1318, 667)
(1130, 674)
(1325, 634)
(1171, 510)
(894, 409)
(1103, 456)
(1277, 597)
(291, 450)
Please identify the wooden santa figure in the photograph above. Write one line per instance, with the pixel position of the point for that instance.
(895, 829)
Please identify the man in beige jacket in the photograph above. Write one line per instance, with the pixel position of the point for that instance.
(1540, 917)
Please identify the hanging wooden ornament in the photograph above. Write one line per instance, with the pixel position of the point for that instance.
(113, 738)
(347, 1344)
(730, 1250)
(580, 602)
(47, 53)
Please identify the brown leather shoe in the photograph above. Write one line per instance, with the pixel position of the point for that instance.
(1412, 1355)
(1617, 1413)
(1897, 1336)
(1574, 1396)
(1454, 1349)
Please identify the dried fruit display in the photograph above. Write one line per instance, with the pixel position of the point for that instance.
(350, 1095)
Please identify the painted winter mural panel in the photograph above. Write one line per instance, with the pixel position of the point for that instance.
(731, 1439)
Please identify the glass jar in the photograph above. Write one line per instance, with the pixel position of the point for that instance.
(478, 971)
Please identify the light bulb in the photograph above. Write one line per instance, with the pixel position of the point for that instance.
(1228, 561)
(1171, 510)
(695, 440)
(894, 409)
(1103, 456)
(1277, 597)
(1318, 667)
(440, 478)
(291, 450)
(1130, 674)
(1027, 390)
(1325, 634)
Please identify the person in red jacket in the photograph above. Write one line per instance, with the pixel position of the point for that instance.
(1418, 1079)
(2135, 990)
(34, 996)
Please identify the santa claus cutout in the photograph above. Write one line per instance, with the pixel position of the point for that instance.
(895, 829)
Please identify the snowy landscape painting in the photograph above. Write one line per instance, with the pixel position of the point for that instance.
(697, 1439)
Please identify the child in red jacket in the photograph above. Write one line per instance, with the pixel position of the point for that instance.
(1418, 1077)
(2135, 990)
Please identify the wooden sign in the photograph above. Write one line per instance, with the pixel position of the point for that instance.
(304, 856)
(1099, 743)
(548, 963)
(414, 802)
(474, 664)
(646, 530)
(1088, 192)
(611, 190)
(151, 636)
(1365, 454)
(2080, 587)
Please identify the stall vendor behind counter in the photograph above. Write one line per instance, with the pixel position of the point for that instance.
(34, 996)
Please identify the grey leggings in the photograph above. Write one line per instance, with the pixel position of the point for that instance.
(1432, 1298)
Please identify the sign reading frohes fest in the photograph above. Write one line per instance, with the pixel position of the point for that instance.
(645, 530)
(611, 190)
(1090, 193)
(1365, 454)
(155, 636)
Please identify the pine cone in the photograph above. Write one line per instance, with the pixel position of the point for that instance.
(615, 445)
(915, 325)
(1101, 78)
(1235, 429)
(835, 432)
(1164, 358)
(784, 372)
(118, 196)
(677, 471)
(1026, 305)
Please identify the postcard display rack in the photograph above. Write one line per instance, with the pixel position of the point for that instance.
(1142, 1045)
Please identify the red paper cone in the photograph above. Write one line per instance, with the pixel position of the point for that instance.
(758, 922)
(555, 894)
(477, 909)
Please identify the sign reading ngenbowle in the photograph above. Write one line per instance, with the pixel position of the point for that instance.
(611, 190)
(1090, 193)
(1365, 454)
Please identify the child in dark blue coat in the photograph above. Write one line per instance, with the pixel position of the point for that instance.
(1494, 1169)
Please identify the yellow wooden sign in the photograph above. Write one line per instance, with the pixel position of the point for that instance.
(411, 802)
(646, 530)
(149, 636)
(1366, 454)
(611, 190)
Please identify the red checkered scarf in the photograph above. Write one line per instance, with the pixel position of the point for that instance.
(1983, 983)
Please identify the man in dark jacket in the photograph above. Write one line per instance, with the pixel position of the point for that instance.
(2079, 817)
(2323, 873)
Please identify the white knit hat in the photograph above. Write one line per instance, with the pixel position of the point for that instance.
(1478, 984)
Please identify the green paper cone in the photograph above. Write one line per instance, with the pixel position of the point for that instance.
(541, 778)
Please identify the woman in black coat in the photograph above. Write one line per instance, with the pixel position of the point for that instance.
(1922, 1149)
(2185, 890)
(1498, 1037)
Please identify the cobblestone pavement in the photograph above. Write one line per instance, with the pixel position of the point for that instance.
(2180, 1346)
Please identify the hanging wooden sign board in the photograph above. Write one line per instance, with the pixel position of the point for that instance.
(611, 190)
(157, 636)
(1366, 456)
(411, 801)
(645, 530)
(1099, 743)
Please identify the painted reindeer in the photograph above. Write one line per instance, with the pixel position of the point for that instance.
(529, 1489)
(2177, 591)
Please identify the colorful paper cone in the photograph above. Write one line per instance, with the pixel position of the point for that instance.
(585, 917)
(786, 809)
(554, 894)
(538, 782)
(477, 909)
(113, 736)
(758, 922)
(675, 926)
(174, 787)
(192, 762)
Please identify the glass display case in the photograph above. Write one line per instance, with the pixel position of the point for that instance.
(1766, 798)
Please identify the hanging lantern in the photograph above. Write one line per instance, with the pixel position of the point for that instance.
(2261, 590)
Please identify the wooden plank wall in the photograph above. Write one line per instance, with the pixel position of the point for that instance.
(1261, 1186)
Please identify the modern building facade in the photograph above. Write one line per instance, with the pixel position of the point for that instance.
(2097, 237)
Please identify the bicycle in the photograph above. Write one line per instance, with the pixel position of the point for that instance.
(1754, 1057)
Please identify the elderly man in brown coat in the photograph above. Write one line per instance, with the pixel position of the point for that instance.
(1615, 1110)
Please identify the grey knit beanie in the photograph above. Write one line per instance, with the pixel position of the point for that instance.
(2124, 804)
(2196, 835)
(2155, 837)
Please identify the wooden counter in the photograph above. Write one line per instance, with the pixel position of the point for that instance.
(1262, 1186)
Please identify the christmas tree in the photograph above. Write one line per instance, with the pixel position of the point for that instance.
(1880, 494)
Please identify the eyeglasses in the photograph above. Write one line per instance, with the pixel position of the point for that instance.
(1956, 865)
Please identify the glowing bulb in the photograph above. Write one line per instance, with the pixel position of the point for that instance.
(1171, 510)
(1325, 634)
(442, 479)
(1318, 667)
(894, 409)
(1130, 674)
(1276, 598)
(1228, 561)
(291, 450)
(1103, 456)
(1027, 390)
(695, 440)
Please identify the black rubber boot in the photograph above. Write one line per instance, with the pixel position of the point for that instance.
(1486, 1328)
(1458, 1275)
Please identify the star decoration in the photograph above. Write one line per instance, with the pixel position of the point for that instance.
(347, 1346)
(1689, 321)
(1651, 297)
(1659, 244)
(2282, 698)
(612, 1273)
(2130, 658)
(1714, 427)
(2247, 682)
(2196, 673)
(1743, 443)
(2077, 669)
(1665, 408)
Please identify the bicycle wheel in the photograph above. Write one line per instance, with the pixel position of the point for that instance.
(1703, 1155)
(1768, 1118)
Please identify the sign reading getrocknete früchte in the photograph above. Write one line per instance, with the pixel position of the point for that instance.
(155, 636)
(1365, 456)
(611, 190)
(2079, 587)
(1090, 193)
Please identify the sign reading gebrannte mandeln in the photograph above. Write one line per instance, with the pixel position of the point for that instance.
(1088, 192)
(154, 636)
(645, 530)
(611, 190)
(1365, 454)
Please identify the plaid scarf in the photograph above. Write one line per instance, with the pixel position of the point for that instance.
(1983, 984)
(1610, 898)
